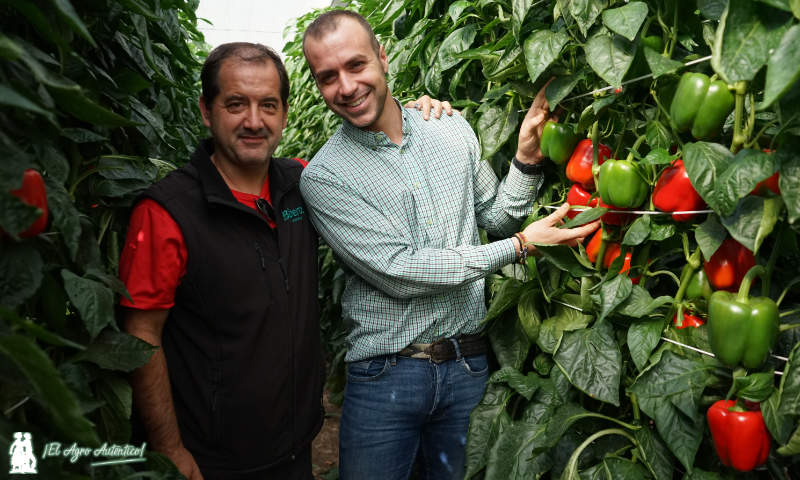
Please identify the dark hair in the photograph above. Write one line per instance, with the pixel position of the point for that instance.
(243, 51)
(329, 22)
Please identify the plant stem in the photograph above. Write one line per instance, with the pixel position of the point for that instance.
(739, 135)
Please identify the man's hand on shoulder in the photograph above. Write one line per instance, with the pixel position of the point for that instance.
(425, 103)
(528, 149)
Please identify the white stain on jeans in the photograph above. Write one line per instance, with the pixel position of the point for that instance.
(393, 396)
(443, 458)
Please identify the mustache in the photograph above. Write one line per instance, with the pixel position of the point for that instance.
(253, 133)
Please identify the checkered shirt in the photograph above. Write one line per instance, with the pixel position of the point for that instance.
(404, 221)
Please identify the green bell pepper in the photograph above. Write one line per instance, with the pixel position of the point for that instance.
(742, 329)
(558, 141)
(621, 184)
(701, 105)
(698, 286)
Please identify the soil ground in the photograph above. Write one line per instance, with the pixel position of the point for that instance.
(325, 448)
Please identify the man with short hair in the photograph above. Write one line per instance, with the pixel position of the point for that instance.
(225, 282)
(400, 202)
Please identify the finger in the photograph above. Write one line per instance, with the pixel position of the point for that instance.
(541, 99)
(560, 213)
(437, 109)
(448, 109)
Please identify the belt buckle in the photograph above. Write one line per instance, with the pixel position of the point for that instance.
(438, 355)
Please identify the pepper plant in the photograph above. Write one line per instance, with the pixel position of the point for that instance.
(592, 377)
(98, 100)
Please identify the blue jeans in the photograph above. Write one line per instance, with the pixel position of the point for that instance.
(397, 407)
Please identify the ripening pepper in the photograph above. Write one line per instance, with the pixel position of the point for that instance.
(674, 193)
(728, 265)
(740, 435)
(742, 329)
(689, 320)
(579, 167)
(613, 250)
(557, 142)
(701, 105)
(621, 184)
(34, 193)
(579, 196)
(768, 184)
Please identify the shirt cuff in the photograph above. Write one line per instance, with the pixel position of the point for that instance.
(500, 254)
(519, 181)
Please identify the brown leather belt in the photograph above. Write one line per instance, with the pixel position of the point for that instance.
(445, 349)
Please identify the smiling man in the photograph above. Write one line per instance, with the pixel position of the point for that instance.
(220, 263)
(400, 202)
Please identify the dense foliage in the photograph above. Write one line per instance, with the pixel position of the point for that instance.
(593, 379)
(100, 98)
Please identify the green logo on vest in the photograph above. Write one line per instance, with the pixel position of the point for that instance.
(293, 215)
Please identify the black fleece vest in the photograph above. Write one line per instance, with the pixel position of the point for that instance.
(242, 342)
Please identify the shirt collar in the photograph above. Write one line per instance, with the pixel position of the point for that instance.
(376, 139)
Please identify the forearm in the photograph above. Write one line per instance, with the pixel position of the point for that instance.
(506, 205)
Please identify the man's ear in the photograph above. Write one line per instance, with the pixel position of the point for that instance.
(205, 112)
(384, 60)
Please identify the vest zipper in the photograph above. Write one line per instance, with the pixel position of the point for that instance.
(281, 262)
(261, 256)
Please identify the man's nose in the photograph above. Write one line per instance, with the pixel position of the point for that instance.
(253, 120)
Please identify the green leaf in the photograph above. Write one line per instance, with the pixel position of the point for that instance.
(789, 183)
(117, 351)
(745, 223)
(772, 208)
(496, 126)
(586, 216)
(559, 88)
(602, 103)
(778, 424)
(782, 4)
(12, 98)
(591, 360)
(486, 422)
(698, 474)
(643, 337)
(658, 137)
(792, 447)
(564, 258)
(15, 215)
(705, 162)
(638, 231)
(564, 319)
(117, 396)
(65, 8)
(755, 387)
(661, 231)
(654, 454)
(783, 67)
(78, 105)
(456, 9)
(712, 9)
(94, 301)
(525, 385)
(82, 135)
(795, 6)
(626, 20)
(609, 56)
(519, 10)
(659, 64)
(657, 156)
(585, 12)
(459, 40)
(529, 317)
(669, 393)
(710, 235)
(741, 176)
(747, 34)
(506, 297)
(51, 392)
(509, 342)
(541, 48)
(616, 467)
(511, 456)
(613, 293)
(20, 273)
(640, 303)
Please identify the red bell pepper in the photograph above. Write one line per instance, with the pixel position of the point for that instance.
(613, 250)
(34, 193)
(579, 167)
(579, 196)
(674, 192)
(729, 264)
(689, 320)
(769, 183)
(740, 436)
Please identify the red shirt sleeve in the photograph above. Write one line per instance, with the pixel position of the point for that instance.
(153, 260)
